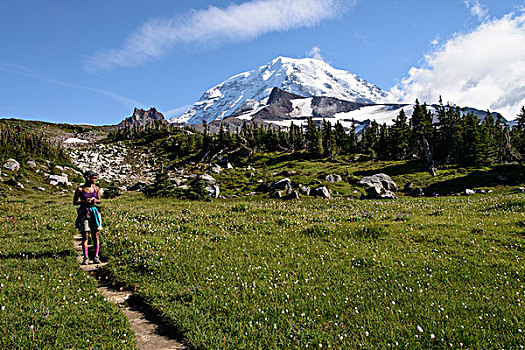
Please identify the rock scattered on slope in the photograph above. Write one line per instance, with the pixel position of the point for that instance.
(12, 164)
(59, 180)
(379, 186)
(214, 191)
(322, 192)
(283, 184)
(208, 179)
(379, 180)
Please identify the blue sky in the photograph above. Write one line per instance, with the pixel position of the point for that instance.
(93, 61)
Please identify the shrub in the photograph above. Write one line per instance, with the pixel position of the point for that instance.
(162, 185)
(198, 190)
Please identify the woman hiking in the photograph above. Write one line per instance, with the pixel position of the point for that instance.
(88, 220)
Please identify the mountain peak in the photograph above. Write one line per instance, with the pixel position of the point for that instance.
(142, 117)
(307, 77)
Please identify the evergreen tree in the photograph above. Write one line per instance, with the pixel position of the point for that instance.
(485, 147)
(383, 149)
(519, 133)
(328, 139)
(470, 139)
(162, 185)
(314, 139)
(421, 135)
(520, 120)
(351, 141)
(370, 139)
(399, 136)
(340, 138)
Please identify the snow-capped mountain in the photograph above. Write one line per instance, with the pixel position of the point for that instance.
(306, 77)
(284, 108)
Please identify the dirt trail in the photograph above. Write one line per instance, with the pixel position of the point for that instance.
(149, 333)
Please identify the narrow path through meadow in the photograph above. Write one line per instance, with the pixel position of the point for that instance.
(149, 334)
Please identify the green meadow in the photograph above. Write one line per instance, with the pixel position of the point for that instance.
(46, 301)
(255, 273)
(262, 274)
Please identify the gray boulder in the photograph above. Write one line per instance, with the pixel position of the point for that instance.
(12, 165)
(381, 180)
(59, 179)
(283, 184)
(322, 192)
(329, 178)
(31, 164)
(294, 194)
(208, 179)
(216, 169)
(338, 178)
(276, 195)
(305, 190)
(469, 192)
(388, 195)
(213, 191)
(374, 191)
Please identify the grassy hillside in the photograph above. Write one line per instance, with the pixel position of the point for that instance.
(54, 131)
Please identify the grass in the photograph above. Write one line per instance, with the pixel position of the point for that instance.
(46, 301)
(255, 273)
(262, 274)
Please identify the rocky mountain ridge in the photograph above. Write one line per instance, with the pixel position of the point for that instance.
(142, 117)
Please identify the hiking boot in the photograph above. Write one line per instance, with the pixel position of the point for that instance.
(85, 261)
(96, 260)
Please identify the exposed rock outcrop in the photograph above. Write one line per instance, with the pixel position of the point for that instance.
(141, 117)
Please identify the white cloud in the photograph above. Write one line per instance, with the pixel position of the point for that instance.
(214, 26)
(477, 9)
(315, 52)
(483, 69)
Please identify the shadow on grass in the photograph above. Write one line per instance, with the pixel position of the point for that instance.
(513, 176)
(395, 170)
(285, 157)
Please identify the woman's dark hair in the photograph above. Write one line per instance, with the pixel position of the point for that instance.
(89, 174)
